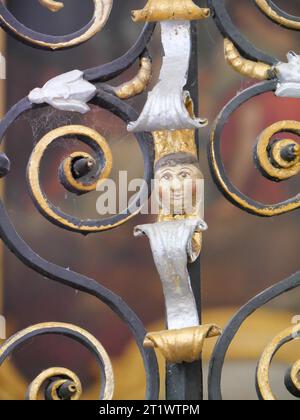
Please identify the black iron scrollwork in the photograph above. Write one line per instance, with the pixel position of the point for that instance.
(9, 23)
(79, 172)
(277, 160)
(62, 384)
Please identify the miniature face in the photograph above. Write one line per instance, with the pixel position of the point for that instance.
(179, 188)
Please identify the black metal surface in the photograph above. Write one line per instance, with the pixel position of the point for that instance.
(184, 381)
(19, 31)
(229, 333)
(113, 69)
(229, 30)
(84, 284)
(145, 141)
(215, 157)
(77, 281)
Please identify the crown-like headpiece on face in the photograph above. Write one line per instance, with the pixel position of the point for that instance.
(171, 142)
(158, 10)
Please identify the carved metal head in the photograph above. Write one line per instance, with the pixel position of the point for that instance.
(179, 185)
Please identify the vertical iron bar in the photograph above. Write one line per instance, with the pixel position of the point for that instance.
(2, 187)
(185, 381)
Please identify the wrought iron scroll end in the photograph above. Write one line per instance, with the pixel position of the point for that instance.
(248, 68)
(138, 84)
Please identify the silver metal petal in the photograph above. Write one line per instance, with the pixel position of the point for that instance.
(165, 107)
(67, 92)
(170, 242)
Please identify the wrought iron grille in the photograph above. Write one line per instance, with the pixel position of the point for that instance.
(167, 133)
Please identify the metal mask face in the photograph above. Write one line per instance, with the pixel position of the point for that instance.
(179, 188)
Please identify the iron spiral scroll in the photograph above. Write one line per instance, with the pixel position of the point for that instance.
(276, 160)
(60, 383)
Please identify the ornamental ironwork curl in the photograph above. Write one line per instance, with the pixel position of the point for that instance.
(79, 172)
(277, 160)
(10, 24)
(61, 383)
(232, 329)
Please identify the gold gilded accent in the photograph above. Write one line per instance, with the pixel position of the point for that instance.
(263, 370)
(157, 10)
(267, 10)
(138, 84)
(57, 372)
(260, 71)
(178, 141)
(99, 349)
(52, 5)
(100, 17)
(183, 345)
(287, 169)
(34, 169)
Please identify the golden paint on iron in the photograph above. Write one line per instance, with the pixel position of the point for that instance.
(177, 141)
(99, 20)
(287, 171)
(272, 14)
(37, 384)
(263, 370)
(158, 10)
(33, 171)
(108, 370)
(277, 149)
(138, 84)
(184, 345)
(52, 5)
(266, 210)
(256, 70)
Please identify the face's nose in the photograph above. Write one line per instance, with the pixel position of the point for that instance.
(176, 184)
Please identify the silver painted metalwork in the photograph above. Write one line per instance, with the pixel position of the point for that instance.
(288, 75)
(171, 243)
(165, 108)
(67, 92)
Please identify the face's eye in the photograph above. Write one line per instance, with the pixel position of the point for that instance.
(185, 174)
(166, 176)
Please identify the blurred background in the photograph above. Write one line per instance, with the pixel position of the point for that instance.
(242, 254)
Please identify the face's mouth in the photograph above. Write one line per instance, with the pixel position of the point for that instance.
(177, 196)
